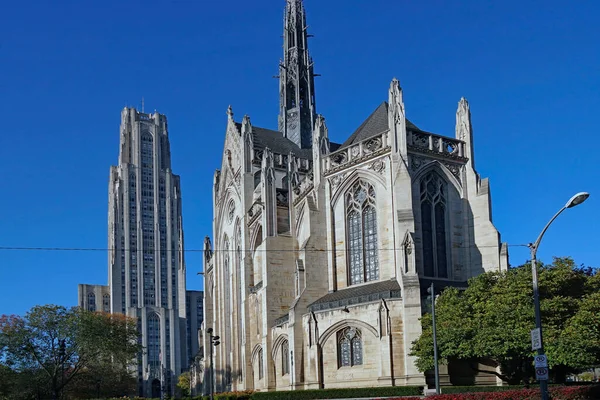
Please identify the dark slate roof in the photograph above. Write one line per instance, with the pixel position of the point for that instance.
(375, 124)
(389, 289)
(275, 141)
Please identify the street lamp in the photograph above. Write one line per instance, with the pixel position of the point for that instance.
(573, 201)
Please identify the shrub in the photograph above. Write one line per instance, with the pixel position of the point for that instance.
(384, 391)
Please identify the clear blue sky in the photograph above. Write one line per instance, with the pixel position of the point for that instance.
(530, 70)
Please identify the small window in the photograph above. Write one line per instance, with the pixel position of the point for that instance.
(350, 347)
(285, 358)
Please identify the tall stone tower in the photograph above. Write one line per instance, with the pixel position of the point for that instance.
(146, 268)
(297, 109)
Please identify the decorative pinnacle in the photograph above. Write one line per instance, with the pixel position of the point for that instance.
(230, 112)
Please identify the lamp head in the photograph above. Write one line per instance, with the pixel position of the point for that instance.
(209, 331)
(577, 199)
(215, 338)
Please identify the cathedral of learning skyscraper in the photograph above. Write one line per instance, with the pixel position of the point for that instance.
(146, 267)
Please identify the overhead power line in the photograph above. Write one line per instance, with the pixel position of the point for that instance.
(16, 248)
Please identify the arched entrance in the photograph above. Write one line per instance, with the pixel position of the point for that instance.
(156, 389)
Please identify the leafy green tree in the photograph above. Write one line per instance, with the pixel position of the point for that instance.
(60, 344)
(183, 384)
(494, 316)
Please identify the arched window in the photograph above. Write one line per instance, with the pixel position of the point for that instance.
(106, 303)
(153, 340)
(350, 347)
(285, 358)
(227, 301)
(260, 364)
(257, 179)
(433, 222)
(363, 260)
(91, 302)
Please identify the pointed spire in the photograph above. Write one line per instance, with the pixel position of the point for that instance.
(296, 78)
(230, 112)
(464, 131)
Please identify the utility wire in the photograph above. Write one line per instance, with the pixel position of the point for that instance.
(11, 248)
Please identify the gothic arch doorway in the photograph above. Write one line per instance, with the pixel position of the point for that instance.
(156, 389)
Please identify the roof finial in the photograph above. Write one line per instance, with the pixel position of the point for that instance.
(230, 112)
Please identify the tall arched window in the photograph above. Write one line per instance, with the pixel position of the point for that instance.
(363, 260)
(349, 347)
(433, 222)
(285, 358)
(260, 364)
(91, 302)
(227, 301)
(106, 303)
(153, 340)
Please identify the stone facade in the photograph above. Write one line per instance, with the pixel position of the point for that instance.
(146, 264)
(322, 252)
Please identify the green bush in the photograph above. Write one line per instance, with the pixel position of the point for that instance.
(386, 391)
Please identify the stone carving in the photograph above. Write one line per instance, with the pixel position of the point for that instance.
(463, 119)
(282, 198)
(416, 163)
(408, 247)
(372, 145)
(420, 140)
(355, 151)
(377, 166)
(337, 179)
(339, 158)
(231, 211)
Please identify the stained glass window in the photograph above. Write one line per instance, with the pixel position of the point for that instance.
(91, 302)
(350, 347)
(433, 221)
(153, 340)
(285, 358)
(363, 259)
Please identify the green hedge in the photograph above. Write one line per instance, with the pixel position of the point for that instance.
(385, 391)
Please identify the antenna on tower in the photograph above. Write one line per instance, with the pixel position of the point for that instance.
(142, 104)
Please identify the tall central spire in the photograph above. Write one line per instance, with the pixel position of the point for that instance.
(297, 110)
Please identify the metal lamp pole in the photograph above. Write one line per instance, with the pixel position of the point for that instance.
(431, 291)
(573, 201)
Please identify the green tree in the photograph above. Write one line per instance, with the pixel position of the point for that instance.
(60, 344)
(183, 383)
(494, 316)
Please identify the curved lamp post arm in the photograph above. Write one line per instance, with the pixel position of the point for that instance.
(535, 245)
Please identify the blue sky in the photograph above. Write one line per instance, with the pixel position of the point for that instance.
(530, 71)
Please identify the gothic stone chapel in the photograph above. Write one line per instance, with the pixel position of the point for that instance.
(323, 252)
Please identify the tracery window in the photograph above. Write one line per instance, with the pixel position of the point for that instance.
(91, 302)
(350, 347)
(363, 260)
(153, 340)
(106, 303)
(433, 220)
(285, 358)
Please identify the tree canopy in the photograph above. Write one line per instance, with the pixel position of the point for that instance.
(55, 345)
(493, 317)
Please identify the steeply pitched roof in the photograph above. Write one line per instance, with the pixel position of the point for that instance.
(388, 289)
(375, 124)
(276, 142)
